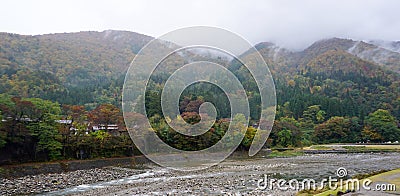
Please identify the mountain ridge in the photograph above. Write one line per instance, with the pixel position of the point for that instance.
(95, 63)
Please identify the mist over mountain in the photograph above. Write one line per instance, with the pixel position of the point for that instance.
(333, 91)
(345, 77)
(389, 45)
(88, 68)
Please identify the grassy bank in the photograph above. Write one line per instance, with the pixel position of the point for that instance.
(357, 147)
(383, 177)
(286, 153)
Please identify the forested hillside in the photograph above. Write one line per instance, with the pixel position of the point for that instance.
(336, 90)
(74, 68)
(330, 90)
(342, 83)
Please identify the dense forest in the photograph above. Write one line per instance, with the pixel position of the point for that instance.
(61, 96)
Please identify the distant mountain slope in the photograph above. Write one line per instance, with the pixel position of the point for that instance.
(286, 59)
(345, 77)
(73, 62)
(338, 60)
(367, 51)
(74, 57)
(389, 45)
(88, 68)
(375, 53)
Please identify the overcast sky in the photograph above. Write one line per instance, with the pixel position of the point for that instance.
(294, 24)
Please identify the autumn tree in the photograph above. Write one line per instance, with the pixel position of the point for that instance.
(336, 129)
(3, 135)
(19, 113)
(45, 128)
(285, 134)
(381, 126)
(248, 137)
(76, 113)
(188, 105)
(78, 116)
(106, 114)
(313, 115)
(191, 117)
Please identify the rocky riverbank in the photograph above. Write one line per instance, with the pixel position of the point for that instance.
(19, 170)
(231, 177)
(33, 184)
(241, 176)
(219, 180)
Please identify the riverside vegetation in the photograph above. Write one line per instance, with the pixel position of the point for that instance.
(327, 93)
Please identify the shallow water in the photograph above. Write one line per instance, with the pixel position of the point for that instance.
(238, 176)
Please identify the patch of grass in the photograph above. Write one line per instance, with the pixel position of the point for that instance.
(362, 176)
(287, 153)
(321, 147)
(324, 191)
(378, 176)
(373, 148)
(355, 148)
(383, 147)
(4, 172)
(392, 177)
(311, 192)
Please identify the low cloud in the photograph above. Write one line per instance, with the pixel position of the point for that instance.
(291, 24)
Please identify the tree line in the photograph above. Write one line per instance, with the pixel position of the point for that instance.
(33, 129)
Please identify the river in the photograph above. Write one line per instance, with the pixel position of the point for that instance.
(238, 176)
